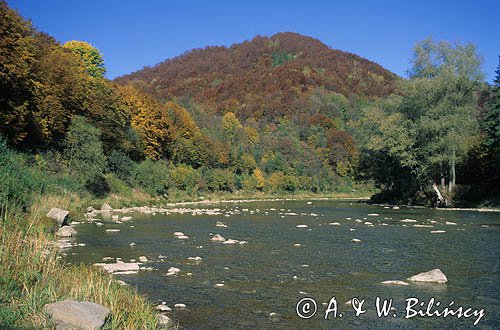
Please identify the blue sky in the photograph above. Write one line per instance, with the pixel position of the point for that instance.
(133, 34)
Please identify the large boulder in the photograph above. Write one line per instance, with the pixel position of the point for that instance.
(59, 215)
(119, 266)
(106, 207)
(66, 231)
(432, 276)
(165, 322)
(75, 314)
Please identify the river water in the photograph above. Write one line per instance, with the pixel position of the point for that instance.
(281, 264)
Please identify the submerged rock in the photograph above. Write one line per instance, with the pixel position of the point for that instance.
(59, 215)
(165, 322)
(220, 224)
(432, 276)
(75, 314)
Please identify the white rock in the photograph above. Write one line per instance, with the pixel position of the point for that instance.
(132, 244)
(219, 285)
(368, 223)
(119, 266)
(218, 238)
(194, 258)
(395, 282)
(408, 220)
(450, 223)
(373, 214)
(126, 218)
(438, 231)
(112, 230)
(220, 224)
(433, 276)
(297, 244)
(302, 226)
(334, 224)
(180, 306)
(230, 241)
(163, 308)
(179, 233)
(182, 237)
(143, 259)
(356, 240)
(99, 224)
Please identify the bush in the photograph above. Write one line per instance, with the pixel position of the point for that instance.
(153, 177)
(184, 177)
(220, 180)
(18, 182)
(121, 165)
(83, 150)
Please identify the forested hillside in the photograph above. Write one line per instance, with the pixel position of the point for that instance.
(267, 77)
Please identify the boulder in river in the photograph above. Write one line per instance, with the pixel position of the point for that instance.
(59, 215)
(119, 266)
(66, 231)
(432, 276)
(75, 314)
(165, 322)
(106, 207)
(220, 224)
(218, 238)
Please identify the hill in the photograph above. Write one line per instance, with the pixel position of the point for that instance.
(266, 77)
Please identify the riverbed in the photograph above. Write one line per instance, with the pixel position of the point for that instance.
(305, 249)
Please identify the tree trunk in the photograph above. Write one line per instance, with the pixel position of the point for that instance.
(441, 199)
(443, 180)
(452, 172)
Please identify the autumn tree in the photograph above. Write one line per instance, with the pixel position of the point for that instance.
(91, 57)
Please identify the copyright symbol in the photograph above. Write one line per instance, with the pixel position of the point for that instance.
(306, 308)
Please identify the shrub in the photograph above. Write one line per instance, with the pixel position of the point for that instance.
(220, 180)
(121, 165)
(83, 150)
(153, 177)
(184, 177)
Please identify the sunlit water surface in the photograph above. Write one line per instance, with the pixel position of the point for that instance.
(271, 273)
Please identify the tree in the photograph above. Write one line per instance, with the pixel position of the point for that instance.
(434, 124)
(83, 150)
(91, 57)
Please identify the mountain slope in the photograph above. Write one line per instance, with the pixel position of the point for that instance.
(269, 77)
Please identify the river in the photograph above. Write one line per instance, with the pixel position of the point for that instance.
(258, 284)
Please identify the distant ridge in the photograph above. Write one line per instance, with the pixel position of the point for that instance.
(266, 76)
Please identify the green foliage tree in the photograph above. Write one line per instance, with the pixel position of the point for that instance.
(83, 150)
(91, 57)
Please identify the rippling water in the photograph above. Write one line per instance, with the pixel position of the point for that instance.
(272, 273)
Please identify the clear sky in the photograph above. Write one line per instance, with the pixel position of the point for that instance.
(133, 34)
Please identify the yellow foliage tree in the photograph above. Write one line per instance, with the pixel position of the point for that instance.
(259, 176)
